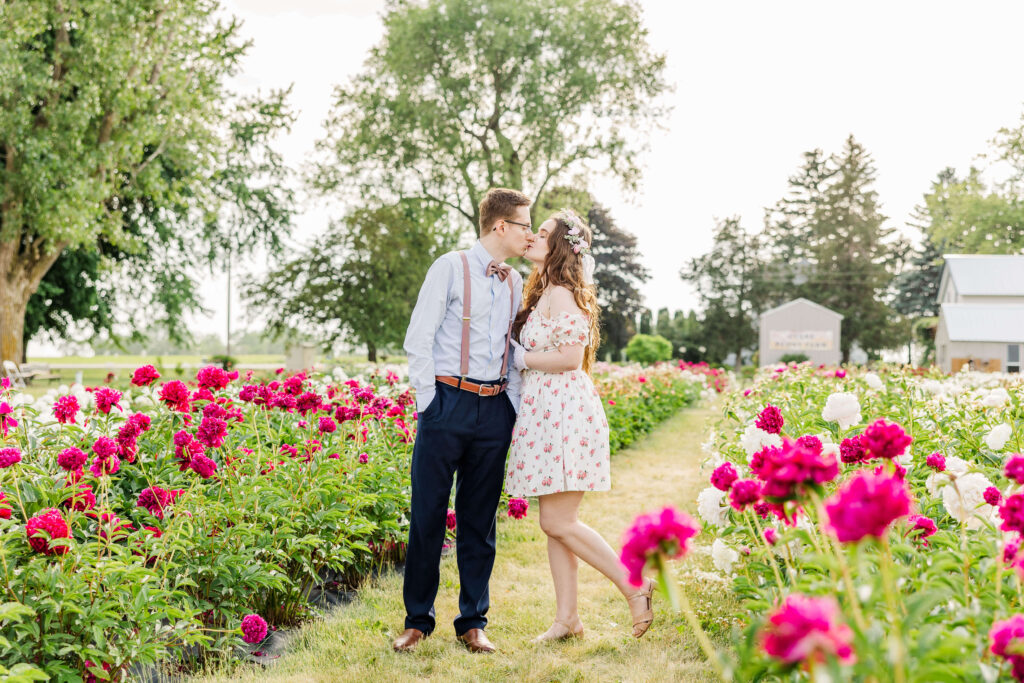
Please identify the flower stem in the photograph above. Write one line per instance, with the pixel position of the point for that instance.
(896, 634)
(771, 554)
(691, 618)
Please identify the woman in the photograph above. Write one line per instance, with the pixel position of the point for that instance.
(560, 442)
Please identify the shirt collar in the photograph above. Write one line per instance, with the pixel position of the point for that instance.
(481, 255)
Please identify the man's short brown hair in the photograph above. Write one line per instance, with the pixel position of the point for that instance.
(498, 203)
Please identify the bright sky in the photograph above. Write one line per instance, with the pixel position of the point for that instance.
(922, 85)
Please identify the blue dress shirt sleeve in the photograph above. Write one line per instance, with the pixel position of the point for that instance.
(515, 377)
(427, 317)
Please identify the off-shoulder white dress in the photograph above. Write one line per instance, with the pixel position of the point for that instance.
(560, 441)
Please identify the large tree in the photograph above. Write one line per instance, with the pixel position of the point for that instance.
(463, 95)
(358, 282)
(117, 138)
(728, 280)
(829, 243)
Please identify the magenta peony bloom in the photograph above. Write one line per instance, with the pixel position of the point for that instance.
(214, 378)
(105, 465)
(664, 533)
(154, 499)
(804, 627)
(770, 420)
(786, 471)
(771, 535)
(517, 507)
(203, 466)
(885, 440)
(852, 450)
(254, 628)
(921, 527)
(5, 508)
(50, 526)
(176, 395)
(144, 376)
(992, 496)
(81, 499)
(140, 422)
(364, 458)
(450, 521)
(1010, 550)
(811, 442)
(212, 432)
(1007, 641)
(104, 447)
(724, 476)
(1014, 469)
(840, 373)
(936, 461)
(6, 423)
(1012, 513)
(745, 492)
(308, 402)
(9, 456)
(107, 398)
(866, 505)
(65, 409)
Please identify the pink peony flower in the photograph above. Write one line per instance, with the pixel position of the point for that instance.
(811, 442)
(214, 378)
(91, 677)
(840, 373)
(517, 507)
(745, 492)
(852, 450)
(176, 395)
(65, 409)
(885, 440)
(724, 476)
(144, 376)
(5, 508)
(82, 498)
(105, 465)
(771, 535)
(308, 402)
(6, 423)
(1014, 469)
(936, 461)
(1010, 550)
(921, 527)
(327, 425)
(992, 496)
(212, 432)
(804, 628)
(866, 505)
(450, 522)
(254, 628)
(47, 526)
(770, 420)
(364, 458)
(154, 499)
(788, 470)
(9, 456)
(1007, 641)
(104, 447)
(1012, 513)
(203, 466)
(107, 398)
(666, 533)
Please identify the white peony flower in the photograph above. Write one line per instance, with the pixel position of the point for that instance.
(723, 556)
(709, 506)
(874, 381)
(754, 439)
(965, 500)
(936, 480)
(843, 408)
(996, 398)
(998, 437)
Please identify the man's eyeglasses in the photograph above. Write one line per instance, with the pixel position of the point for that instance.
(529, 228)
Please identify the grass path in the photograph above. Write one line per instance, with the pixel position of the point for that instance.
(354, 642)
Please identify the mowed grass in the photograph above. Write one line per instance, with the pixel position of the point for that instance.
(353, 643)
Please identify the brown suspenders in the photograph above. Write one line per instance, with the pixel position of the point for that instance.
(466, 296)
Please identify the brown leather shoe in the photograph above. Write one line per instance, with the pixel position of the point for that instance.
(475, 640)
(409, 639)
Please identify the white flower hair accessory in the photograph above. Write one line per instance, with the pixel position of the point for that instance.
(575, 233)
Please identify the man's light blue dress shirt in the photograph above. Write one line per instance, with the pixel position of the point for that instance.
(433, 341)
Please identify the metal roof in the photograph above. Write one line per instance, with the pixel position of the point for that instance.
(984, 322)
(801, 300)
(986, 274)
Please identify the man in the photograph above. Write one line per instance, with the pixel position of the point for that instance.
(467, 401)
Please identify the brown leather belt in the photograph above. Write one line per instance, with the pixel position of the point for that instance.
(472, 387)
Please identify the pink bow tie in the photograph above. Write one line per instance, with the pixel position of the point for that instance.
(501, 270)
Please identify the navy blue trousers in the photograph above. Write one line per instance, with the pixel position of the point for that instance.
(461, 433)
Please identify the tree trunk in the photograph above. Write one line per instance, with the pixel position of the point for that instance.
(20, 275)
(738, 364)
(371, 352)
(13, 304)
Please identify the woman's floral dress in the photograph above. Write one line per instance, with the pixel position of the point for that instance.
(560, 441)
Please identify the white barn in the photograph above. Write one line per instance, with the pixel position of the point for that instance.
(800, 326)
(981, 315)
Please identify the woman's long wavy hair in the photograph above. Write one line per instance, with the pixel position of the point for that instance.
(563, 267)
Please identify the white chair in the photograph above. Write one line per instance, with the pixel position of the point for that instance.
(14, 374)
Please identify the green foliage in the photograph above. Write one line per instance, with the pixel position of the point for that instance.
(794, 358)
(647, 348)
(224, 361)
(463, 95)
(359, 282)
(633, 416)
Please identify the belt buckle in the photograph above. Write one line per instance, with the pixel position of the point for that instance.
(480, 389)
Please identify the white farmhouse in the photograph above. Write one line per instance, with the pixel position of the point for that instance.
(981, 316)
(800, 326)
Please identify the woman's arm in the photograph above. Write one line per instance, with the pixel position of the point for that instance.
(568, 356)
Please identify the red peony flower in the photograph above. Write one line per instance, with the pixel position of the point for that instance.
(666, 533)
(788, 470)
(517, 507)
(254, 628)
(5, 507)
(154, 499)
(724, 476)
(144, 376)
(806, 628)
(65, 409)
(214, 378)
(212, 432)
(9, 456)
(327, 425)
(45, 527)
(866, 506)
(450, 521)
(745, 492)
(107, 398)
(852, 450)
(203, 466)
(770, 420)
(176, 395)
(82, 498)
(885, 440)
(936, 461)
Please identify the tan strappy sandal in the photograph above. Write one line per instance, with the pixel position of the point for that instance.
(572, 630)
(643, 621)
